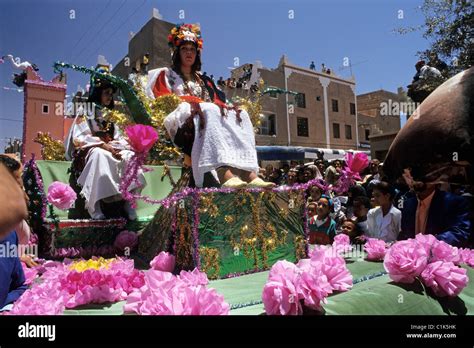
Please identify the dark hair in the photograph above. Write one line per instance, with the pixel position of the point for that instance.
(357, 190)
(364, 200)
(385, 188)
(96, 95)
(176, 61)
(12, 164)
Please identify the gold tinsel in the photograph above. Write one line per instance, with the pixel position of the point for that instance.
(117, 117)
(161, 107)
(253, 105)
(300, 248)
(210, 261)
(229, 219)
(51, 150)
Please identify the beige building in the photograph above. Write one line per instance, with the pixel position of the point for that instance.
(322, 115)
(379, 120)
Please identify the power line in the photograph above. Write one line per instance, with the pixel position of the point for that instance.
(117, 29)
(90, 27)
(10, 119)
(103, 26)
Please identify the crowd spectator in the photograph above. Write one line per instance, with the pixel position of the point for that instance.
(384, 221)
(322, 228)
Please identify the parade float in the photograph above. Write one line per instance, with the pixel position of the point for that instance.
(225, 251)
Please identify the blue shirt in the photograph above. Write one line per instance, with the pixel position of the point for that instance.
(12, 278)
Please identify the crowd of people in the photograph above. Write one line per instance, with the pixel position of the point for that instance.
(375, 208)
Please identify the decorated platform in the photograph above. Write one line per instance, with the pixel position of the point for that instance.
(244, 295)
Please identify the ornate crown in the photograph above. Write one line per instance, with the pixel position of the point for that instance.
(182, 33)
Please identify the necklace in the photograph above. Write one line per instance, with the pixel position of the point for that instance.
(203, 93)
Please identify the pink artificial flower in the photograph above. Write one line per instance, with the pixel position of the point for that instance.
(280, 294)
(163, 262)
(405, 260)
(141, 137)
(445, 278)
(166, 294)
(427, 241)
(334, 268)
(314, 287)
(284, 270)
(194, 278)
(342, 239)
(61, 195)
(442, 251)
(281, 298)
(30, 273)
(375, 249)
(124, 240)
(466, 256)
(357, 163)
(342, 243)
(45, 298)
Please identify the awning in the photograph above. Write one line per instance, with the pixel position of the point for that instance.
(288, 153)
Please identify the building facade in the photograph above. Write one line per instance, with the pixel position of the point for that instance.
(43, 111)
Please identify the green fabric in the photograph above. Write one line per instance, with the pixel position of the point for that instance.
(58, 171)
(376, 296)
(226, 236)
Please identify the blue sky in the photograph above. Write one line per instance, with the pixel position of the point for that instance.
(320, 30)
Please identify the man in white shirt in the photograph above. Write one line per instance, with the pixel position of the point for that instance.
(384, 221)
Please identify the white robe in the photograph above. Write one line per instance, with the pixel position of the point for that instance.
(102, 172)
(223, 141)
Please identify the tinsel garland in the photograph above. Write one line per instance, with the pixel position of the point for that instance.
(31, 166)
(197, 259)
(51, 150)
(136, 107)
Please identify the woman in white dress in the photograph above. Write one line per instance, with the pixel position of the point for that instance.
(99, 153)
(215, 137)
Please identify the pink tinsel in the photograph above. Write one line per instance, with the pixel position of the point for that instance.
(163, 262)
(445, 278)
(61, 195)
(375, 249)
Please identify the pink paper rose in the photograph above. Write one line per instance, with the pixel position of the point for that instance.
(141, 138)
(281, 298)
(357, 163)
(405, 260)
(195, 277)
(314, 287)
(163, 262)
(61, 195)
(335, 270)
(445, 278)
(125, 239)
(442, 251)
(375, 249)
(466, 256)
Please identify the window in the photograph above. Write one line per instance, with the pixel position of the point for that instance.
(45, 108)
(335, 105)
(335, 131)
(267, 125)
(318, 98)
(353, 108)
(348, 132)
(300, 100)
(367, 134)
(302, 125)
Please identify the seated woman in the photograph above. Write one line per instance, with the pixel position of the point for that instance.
(214, 137)
(99, 152)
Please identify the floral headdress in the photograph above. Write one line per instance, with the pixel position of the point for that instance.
(182, 33)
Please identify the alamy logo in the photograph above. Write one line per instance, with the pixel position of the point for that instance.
(37, 331)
